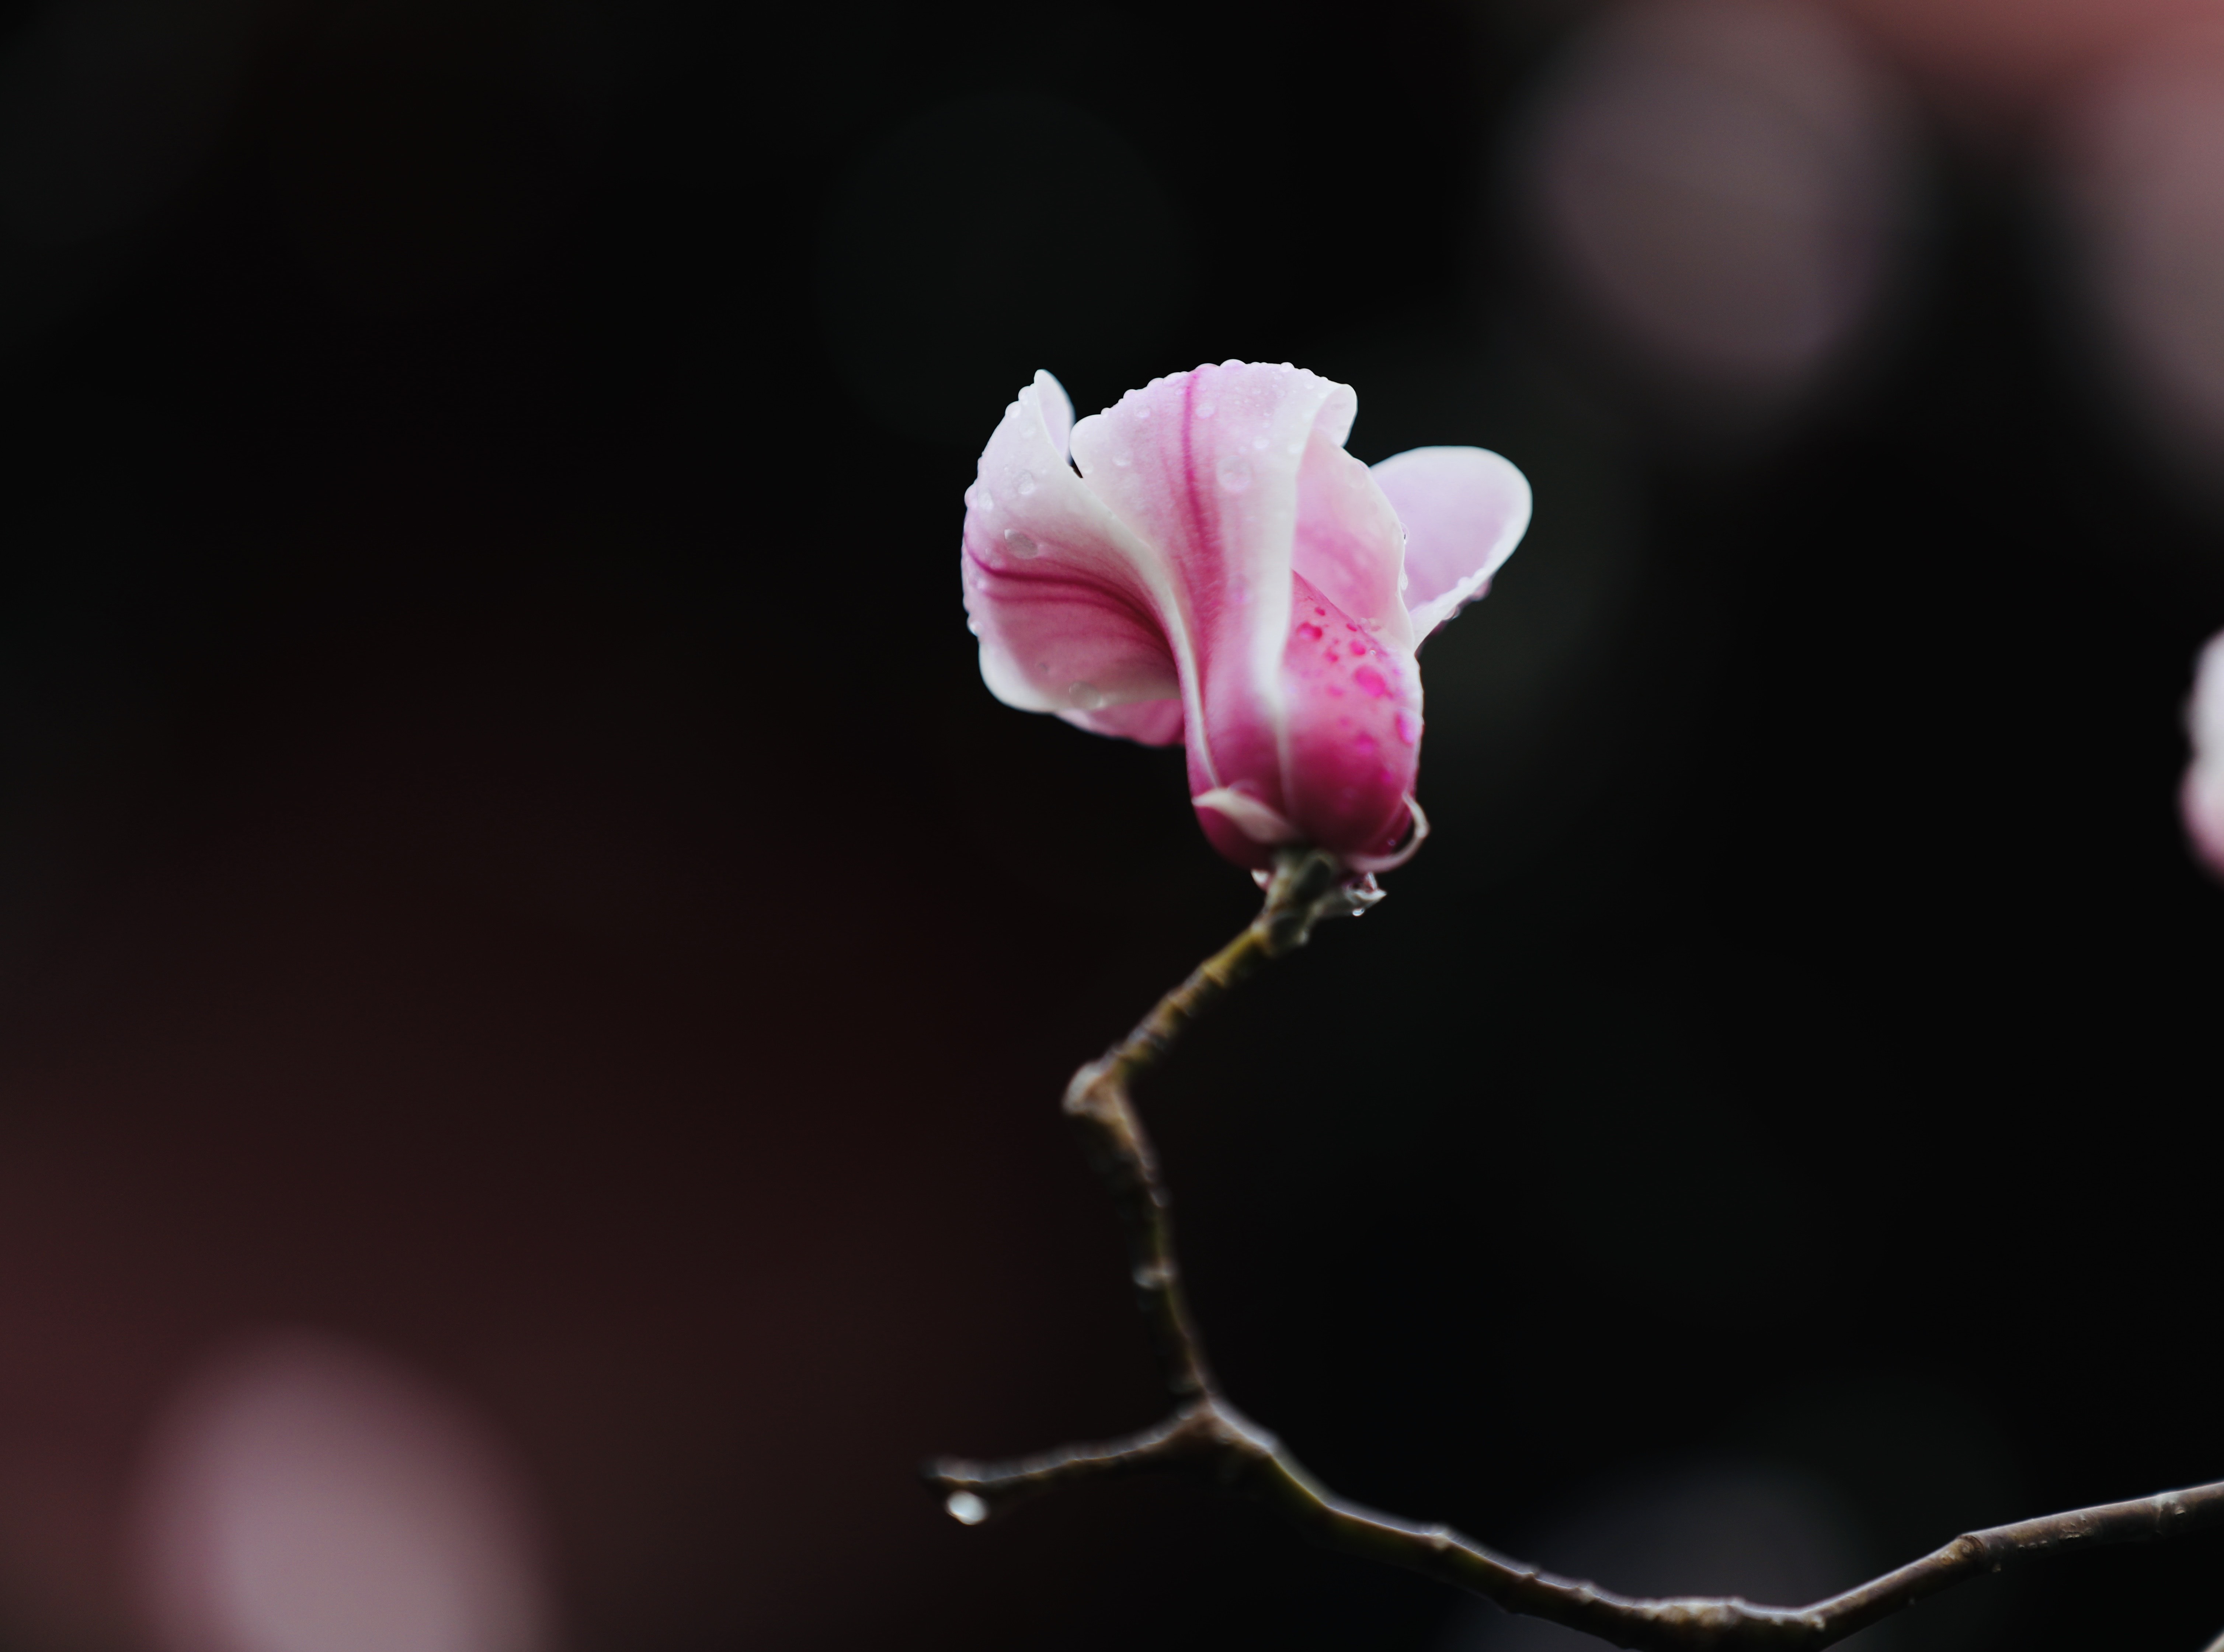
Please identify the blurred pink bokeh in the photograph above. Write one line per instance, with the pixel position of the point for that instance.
(305, 1495)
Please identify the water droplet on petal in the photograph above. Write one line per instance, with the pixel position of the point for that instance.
(1370, 679)
(1235, 472)
(966, 1509)
(984, 501)
(1206, 409)
(1123, 460)
(1087, 697)
(1310, 631)
(1259, 444)
(1020, 544)
(1026, 483)
(973, 626)
(1409, 727)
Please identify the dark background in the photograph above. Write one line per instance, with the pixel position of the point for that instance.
(505, 855)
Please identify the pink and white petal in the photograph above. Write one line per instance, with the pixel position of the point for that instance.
(1146, 722)
(2201, 797)
(1355, 729)
(1350, 546)
(1056, 411)
(1464, 510)
(1203, 467)
(1068, 604)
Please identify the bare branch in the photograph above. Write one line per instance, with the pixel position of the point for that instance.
(1208, 1436)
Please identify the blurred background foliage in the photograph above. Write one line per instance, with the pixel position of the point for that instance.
(524, 941)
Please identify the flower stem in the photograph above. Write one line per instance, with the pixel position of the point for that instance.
(1206, 1436)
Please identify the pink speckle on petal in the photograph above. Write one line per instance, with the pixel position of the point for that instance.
(1310, 631)
(1371, 680)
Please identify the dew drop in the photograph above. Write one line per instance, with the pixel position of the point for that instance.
(1259, 444)
(973, 626)
(1026, 482)
(1310, 631)
(1087, 697)
(1206, 409)
(1123, 460)
(966, 1509)
(1020, 544)
(1370, 679)
(1235, 472)
(1409, 727)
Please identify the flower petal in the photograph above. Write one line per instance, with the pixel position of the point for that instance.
(2201, 797)
(1056, 411)
(1146, 722)
(1203, 467)
(1350, 544)
(1066, 600)
(1354, 728)
(1464, 510)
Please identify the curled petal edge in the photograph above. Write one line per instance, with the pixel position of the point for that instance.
(1264, 826)
(1398, 855)
(1254, 819)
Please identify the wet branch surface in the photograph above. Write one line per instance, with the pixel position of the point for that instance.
(1207, 1436)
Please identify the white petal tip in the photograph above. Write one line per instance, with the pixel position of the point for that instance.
(1251, 817)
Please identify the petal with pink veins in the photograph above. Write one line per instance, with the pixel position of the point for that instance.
(1464, 510)
(1066, 599)
(1204, 467)
(1203, 562)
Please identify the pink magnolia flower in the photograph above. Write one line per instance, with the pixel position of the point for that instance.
(2201, 798)
(1212, 566)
